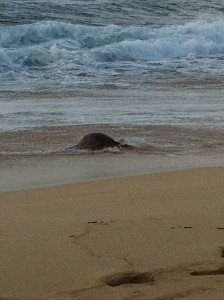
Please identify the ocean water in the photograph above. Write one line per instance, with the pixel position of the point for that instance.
(149, 71)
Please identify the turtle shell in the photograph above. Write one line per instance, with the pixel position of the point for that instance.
(97, 141)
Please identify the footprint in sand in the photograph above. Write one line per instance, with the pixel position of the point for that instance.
(219, 271)
(127, 277)
(222, 251)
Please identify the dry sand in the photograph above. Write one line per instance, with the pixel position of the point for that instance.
(158, 236)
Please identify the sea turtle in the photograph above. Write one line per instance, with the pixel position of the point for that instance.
(98, 141)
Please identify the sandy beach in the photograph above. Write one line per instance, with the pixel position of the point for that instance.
(140, 217)
(157, 236)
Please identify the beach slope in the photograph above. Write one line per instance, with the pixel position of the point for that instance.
(158, 236)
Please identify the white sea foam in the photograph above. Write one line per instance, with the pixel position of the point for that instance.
(61, 55)
(122, 43)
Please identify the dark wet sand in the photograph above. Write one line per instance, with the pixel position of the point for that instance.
(36, 171)
(164, 139)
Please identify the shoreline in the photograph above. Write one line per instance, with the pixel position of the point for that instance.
(151, 139)
(38, 172)
(71, 241)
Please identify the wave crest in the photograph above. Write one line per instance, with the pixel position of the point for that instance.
(65, 46)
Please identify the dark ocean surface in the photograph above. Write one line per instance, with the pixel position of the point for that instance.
(108, 12)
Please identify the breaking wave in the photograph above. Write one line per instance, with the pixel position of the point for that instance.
(79, 50)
